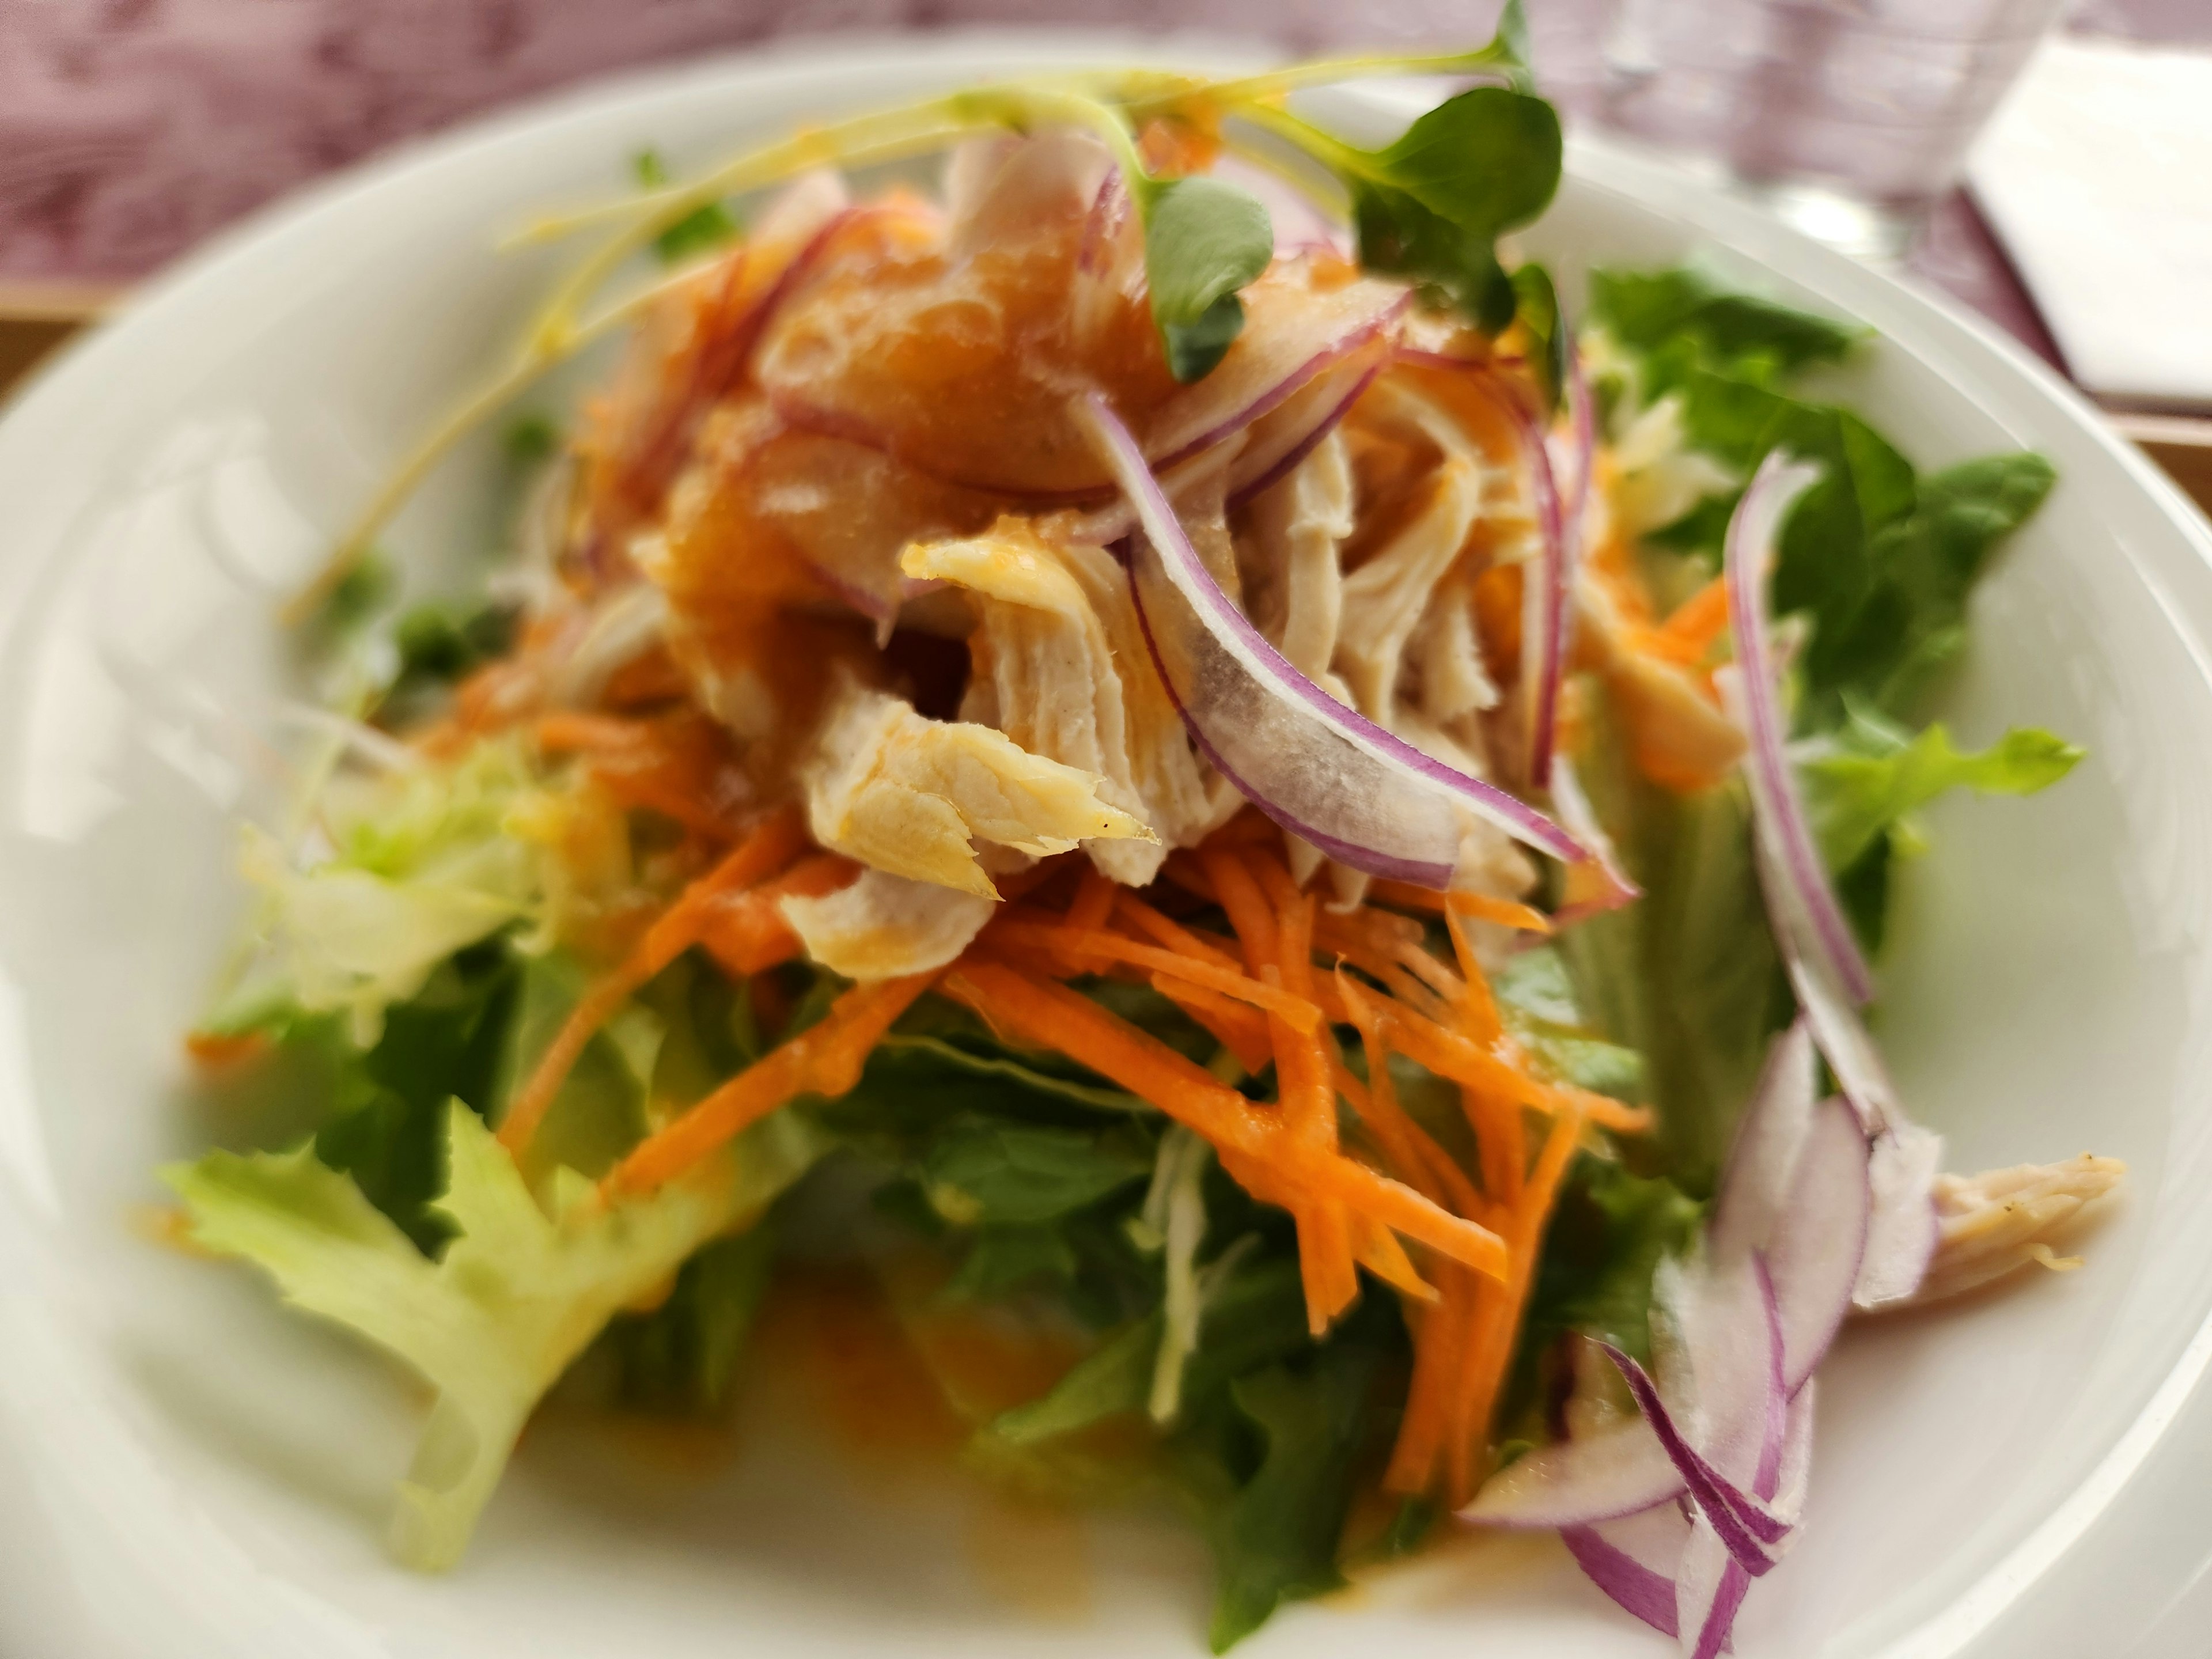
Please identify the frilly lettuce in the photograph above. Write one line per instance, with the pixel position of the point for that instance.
(517, 1294)
(426, 861)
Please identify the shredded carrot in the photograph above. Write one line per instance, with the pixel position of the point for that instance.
(777, 841)
(1308, 1098)
(1449, 1054)
(1088, 911)
(1248, 913)
(1165, 930)
(1505, 912)
(1687, 634)
(1478, 1007)
(1186, 869)
(1499, 1325)
(1237, 1026)
(566, 731)
(825, 1058)
(1409, 1143)
(1052, 1016)
(746, 933)
(1075, 942)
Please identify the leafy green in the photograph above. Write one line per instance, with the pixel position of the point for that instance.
(1008, 1256)
(1204, 239)
(1275, 1536)
(1755, 338)
(440, 641)
(516, 1296)
(1608, 1235)
(681, 1360)
(707, 227)
(424, 866)
(1112, 1381)
(1537, 999)
(387, 1126)
(530, 438)
(1018, 1173)
(1877, 775)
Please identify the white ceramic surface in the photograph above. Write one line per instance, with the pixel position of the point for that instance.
(184, 1471)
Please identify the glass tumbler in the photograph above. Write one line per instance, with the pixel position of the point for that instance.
(1847, 117)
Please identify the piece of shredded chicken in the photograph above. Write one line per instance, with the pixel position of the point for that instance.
(2001, 1220)
(883, 926)
(1046, 673)
(911, 796)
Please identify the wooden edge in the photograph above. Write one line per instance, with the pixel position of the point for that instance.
(2181, 444)
(25, 301)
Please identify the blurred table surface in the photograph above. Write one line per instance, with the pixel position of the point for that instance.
(130, 129)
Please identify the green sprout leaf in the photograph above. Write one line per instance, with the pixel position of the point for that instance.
(1204, 239)
(696, 233)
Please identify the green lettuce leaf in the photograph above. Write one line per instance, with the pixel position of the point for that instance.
(681, 1360)
(1274, 1538)
(517, 1295)
(1877, 775)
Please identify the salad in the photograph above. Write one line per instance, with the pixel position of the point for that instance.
(1145, 739)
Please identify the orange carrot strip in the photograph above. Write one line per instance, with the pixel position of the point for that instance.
(1237, 1026)
(1478, 1008)
(1691, 627)
(1437, 1343)
(1088, 911)
(1054, 1017)
(1378, 1250)
(1309, 1104)
(1383, 1113)
(1299, 1011)
(1485, 1377)
(1449, 1054)
(770, 847)
(1185, 871)
(825, 1058)
(1506, 912)
(1240, 896)
(746, 933)
(1249, 825)
(1165, 930)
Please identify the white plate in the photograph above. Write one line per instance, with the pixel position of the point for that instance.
(184, 1471)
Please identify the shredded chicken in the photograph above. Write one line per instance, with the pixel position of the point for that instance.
(909, 795)
(884, 926)
(1299, 528)
(1999, 1221)
(1043, 669)
(1384, 598)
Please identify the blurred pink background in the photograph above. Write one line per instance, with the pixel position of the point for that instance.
(129, 129)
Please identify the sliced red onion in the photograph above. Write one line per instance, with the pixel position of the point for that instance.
(1272, 449)
(1902, 1233)
(1778, 813)
(1708, 1592)
(1600, 1477)
(1315, 765)
(1768, 1138)
(1277, 445)
(1827, 970)
(1818, 1252)
(1634, 1561)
